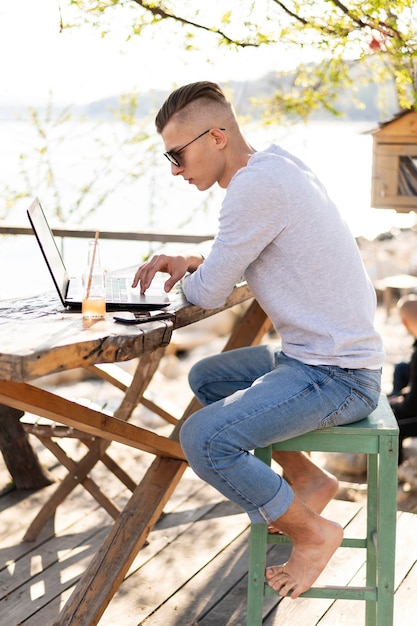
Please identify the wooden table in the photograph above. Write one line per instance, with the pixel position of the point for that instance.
(401, 283)
(38, 338)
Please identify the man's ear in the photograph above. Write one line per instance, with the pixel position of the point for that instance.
(219, 137)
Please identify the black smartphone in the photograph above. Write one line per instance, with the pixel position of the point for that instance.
(129, 317)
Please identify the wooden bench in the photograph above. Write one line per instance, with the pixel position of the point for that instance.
(403, 283)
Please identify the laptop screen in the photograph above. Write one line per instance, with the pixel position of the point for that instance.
(49, 248)
(70, 293)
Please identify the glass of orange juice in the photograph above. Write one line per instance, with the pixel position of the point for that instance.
(94, 307)
(94, 285)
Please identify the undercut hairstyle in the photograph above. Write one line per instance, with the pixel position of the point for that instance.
(184, 96)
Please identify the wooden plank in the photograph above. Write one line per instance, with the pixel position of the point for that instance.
(59, 559)
(190, 554)
(113, 235)
(67, 558)
(189, 314)
(212, 594)
(55, 569)
(231, 610)
(193, 592)
(46, 404)
(145, 370)
(61, 340)
(58, 342)
(129, 534)
(132, 527)
(216, 581)
(160, 501)
(43, 573)
(343, 611)
(69, 331)
(121, 379)
(78, 474)
(25, 602)
(78, 471)
(405, 605)
(18, 510)
(406, 546)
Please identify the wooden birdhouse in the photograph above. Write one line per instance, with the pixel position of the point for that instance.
(394, 164)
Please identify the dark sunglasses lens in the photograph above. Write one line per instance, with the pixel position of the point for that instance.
(172, 159)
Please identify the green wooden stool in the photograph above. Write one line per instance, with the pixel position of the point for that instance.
(377, 436)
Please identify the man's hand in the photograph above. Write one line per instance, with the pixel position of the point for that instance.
(175, 266)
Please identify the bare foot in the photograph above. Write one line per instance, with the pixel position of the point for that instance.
(312, 484)
(315, 540)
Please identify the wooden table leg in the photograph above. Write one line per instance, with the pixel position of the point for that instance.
(20, 458)
(96, 588)
(78, 472)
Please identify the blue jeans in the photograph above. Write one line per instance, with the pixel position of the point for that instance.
(255, 396)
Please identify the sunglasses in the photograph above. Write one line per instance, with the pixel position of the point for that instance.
(173, 155)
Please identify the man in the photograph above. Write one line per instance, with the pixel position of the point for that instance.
(279, 229)
(404, 402)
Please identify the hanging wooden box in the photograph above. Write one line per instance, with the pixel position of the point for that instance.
(394, 164)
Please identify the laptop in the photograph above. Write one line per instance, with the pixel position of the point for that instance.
(120, 296)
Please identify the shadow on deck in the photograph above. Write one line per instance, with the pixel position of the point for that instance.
(192, 571)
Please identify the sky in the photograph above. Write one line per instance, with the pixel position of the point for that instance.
(78, 65)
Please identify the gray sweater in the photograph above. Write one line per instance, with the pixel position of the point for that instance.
(279, 230)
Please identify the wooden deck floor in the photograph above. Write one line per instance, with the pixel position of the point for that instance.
(193, 570)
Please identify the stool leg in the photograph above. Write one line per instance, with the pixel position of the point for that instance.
(373, 496)
(256, 574)
(386, 528)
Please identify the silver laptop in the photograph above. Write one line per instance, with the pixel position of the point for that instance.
(120, 296)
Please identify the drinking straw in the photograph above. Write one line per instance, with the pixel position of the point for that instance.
(90, 277)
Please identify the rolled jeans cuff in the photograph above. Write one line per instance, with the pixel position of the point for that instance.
(277, 506)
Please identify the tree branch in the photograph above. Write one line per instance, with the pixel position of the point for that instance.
(157, 11)
(382, 27)
(291, 13)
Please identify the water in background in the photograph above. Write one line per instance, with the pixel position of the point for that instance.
(340, 153)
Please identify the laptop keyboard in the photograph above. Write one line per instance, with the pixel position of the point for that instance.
(116, 289)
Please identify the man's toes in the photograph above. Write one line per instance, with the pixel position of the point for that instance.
(290, 589)
(283, 585)
(279, 580)
(275, 571)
